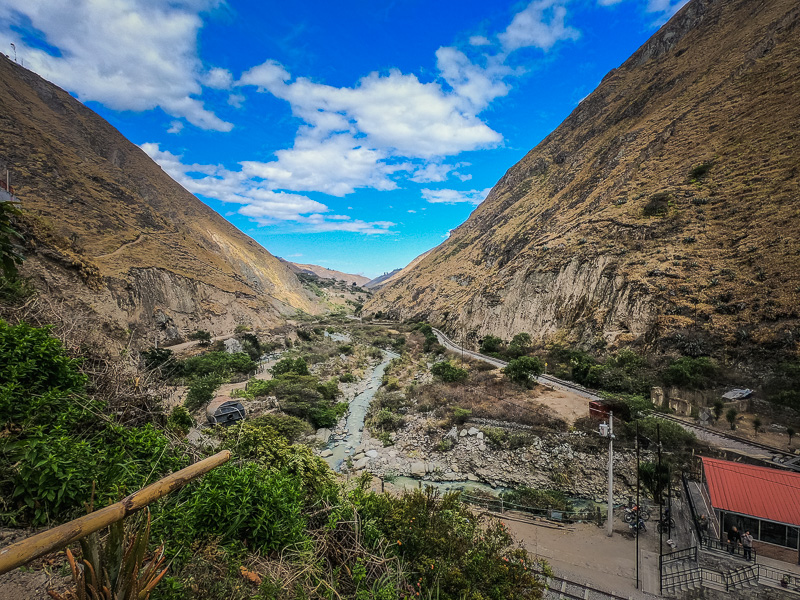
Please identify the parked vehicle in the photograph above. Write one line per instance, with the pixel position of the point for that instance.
(632, 511)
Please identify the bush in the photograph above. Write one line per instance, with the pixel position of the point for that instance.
(386, 420)
(201, 391)
(237, 502)
(221, 364)
(491, 344)
(202, 336)
(347, 378)
(180, 420)
(460, 415)
(56, 441)
(524, 370)
(697, 373)
(287, 365)
(544, 499)
(289, 427)
(451, 553)
(448, 372)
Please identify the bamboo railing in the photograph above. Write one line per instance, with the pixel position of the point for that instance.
(24, 551)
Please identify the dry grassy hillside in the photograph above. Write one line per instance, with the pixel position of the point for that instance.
(663, 211)
(110, 231)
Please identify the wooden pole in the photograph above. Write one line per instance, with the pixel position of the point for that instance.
(26, 550)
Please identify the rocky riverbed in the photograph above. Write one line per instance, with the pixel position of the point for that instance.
(553, 460)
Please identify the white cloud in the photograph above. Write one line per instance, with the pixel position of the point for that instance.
(608, 2)
(236, 100)
(412, 211)
(127, 54)
(476, 84)
(667, 8)
(260, 203)
(396, 113)
(175, 127)
(336, 166)
(541, 25)
(479, 40)
(455, 196)
(219, 79)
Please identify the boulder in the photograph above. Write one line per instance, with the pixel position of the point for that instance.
(372, 453)
(418, 468)
(473, 431)
(323, 434)
(326, 453)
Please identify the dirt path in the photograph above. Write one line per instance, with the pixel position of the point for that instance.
(138, 239)
(565, 404)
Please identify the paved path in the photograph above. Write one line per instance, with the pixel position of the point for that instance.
(583, 553)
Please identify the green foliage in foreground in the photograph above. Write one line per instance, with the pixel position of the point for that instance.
(274, 508)
(57, 440)
(452, 553)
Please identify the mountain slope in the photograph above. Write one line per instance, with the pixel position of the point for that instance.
(662, 211)
(116, 235)
(325, 273)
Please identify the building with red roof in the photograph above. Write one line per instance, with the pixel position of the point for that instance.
(761, 500)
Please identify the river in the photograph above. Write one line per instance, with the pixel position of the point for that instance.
(354, 420)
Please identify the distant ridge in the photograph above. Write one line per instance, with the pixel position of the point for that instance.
(324, 273)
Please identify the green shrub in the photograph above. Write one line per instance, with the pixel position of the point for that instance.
(202, 336)
(221, 364)
(491, 344)
(544, 499)
(657, 205)
(180, 420)
(524, 370)
(201, 391)
(386, 420)
(289, 427)
(237, 502)
(451, 552)
(347, 378)
(287, 365)
(691, 372)
(697, 172)
(495, 436)
(448, 372)
(460, 415)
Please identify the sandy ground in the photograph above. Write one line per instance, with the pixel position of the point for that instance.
(566, 405)
(583, 553)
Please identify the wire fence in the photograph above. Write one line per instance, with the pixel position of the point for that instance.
(500, 505)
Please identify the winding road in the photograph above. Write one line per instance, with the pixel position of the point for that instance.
(712, 437)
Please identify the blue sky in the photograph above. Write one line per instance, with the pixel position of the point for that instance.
(353, 135)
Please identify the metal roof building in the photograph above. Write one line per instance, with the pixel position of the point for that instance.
(761, 500)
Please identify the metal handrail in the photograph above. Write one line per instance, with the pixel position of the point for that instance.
(682, 554)
(736, 551)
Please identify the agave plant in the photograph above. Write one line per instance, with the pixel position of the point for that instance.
(116, 570)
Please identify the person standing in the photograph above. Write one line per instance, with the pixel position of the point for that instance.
(747, 545)
(734, 539)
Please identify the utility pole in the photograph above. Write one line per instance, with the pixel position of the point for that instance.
(637, 503)
(607, 430)
(660, 512)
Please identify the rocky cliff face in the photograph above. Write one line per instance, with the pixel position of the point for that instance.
(111, 235)
(663, 211)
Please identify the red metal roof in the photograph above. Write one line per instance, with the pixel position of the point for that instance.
(760, 492)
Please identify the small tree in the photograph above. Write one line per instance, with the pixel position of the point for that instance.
(520, 345)
(10, 251)
(524, 370)
(448, 372)
(790, 432)
(491, 344)
(202, 336)
(719, 408)
(730, 416)
(654, 480)
(756, 424)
